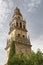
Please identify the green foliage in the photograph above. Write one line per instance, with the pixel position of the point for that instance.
(39, 57)
(12, 49)
(12, 52)
(36, 58)
(21, 59)
(18, 60)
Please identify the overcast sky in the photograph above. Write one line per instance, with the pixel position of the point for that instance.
(32, 11)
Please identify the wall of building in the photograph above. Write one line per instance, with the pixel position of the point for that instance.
(7, 54)
(20, 48)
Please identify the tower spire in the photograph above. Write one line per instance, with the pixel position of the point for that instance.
(17, 12)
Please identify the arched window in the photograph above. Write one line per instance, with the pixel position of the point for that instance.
(23, 26)
(18, 35)
(16, 23)
(18, 17)
(23, 36)
(20, 25)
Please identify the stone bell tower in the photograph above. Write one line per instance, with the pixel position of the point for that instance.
(18, 33)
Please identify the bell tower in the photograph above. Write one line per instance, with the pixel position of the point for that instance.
(18, 33)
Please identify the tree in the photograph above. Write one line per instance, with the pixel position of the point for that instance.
(12, 52)
(32, 59)
(39, 57)
(21, 59)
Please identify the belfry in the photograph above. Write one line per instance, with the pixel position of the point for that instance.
(18, 33)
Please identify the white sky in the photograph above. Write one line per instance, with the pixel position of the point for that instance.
(32, 11)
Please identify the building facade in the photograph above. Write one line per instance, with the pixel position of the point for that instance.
(18, 33)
